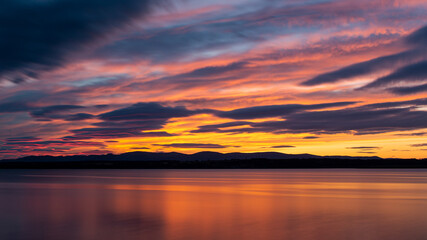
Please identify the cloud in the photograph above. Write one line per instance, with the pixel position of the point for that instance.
(31, 101)
(365, 119)
(409, 90)
(138, 124)
(384, 105)
(145, 116)
(418, 37)
(412, 134)
(40, 35)
(191, 145)
(410, 73)
(310, 137)
(63, 112)
(78, 117)
(51, 111)
(133, 121)
(275, 110)
(419, 145)
(367, 67)
(147, 111)
(282, 146)
(358, 120)
(364, 147)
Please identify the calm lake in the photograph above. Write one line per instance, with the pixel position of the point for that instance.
(213, 204)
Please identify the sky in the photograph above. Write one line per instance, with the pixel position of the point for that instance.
(325, 77)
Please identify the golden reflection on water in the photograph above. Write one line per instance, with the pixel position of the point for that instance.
(213, 204)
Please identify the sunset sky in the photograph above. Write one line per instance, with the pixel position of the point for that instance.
(325, 77)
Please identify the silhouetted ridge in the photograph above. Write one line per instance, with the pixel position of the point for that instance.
(209, 160)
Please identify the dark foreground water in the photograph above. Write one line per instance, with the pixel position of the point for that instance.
(213, 204)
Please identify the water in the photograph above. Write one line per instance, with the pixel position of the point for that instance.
(213, 204)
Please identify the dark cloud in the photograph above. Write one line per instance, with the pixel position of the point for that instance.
(64, 112)
(147, 111)
(419, 145)
(359, 120)
(409, 90)
(367, 67)
(310, 137)
(191, 145)
(366, 119)
(51, 111)
(364, 147)
(30, 101)
(412, 134)
(384, 105)
(283, 146)
(145, 115)
(276, 110)
(418, 38)
(411, 73)
(79, 117)
(39, 35)
(133, 121)
(139, 148)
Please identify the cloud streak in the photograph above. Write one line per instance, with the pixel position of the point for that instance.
(411, 73)
(409, 90)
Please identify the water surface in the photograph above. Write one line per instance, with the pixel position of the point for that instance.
(213, 204)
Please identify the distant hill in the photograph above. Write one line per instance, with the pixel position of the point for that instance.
(208, 160)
